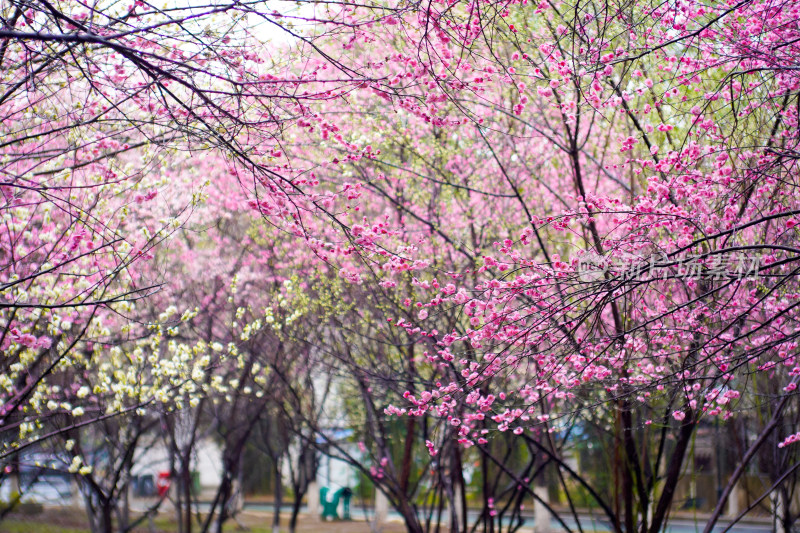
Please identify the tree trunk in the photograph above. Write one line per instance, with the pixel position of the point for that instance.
(107, 509)
(276, 519)
(124, 509)
(298, 500)
(186, 485)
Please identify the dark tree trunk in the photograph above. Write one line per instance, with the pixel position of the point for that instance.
(298, 498)
(276, 519)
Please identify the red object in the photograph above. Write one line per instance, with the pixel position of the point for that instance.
(162, 483)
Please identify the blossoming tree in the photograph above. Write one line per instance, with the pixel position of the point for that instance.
(557, 218)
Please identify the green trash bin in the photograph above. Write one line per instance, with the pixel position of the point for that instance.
(347, 494)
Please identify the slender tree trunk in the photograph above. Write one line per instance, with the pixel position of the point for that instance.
(461, 494)
(178, 507)
(488, 520)
(672, 473)
(626, 484)
(186, 485)
(298, 500)
(124, 509)
(410, 518)
(276, 519)
(104, 518)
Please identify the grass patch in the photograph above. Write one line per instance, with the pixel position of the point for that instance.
(16, 525)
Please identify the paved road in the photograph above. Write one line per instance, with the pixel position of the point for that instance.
(676, 525)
